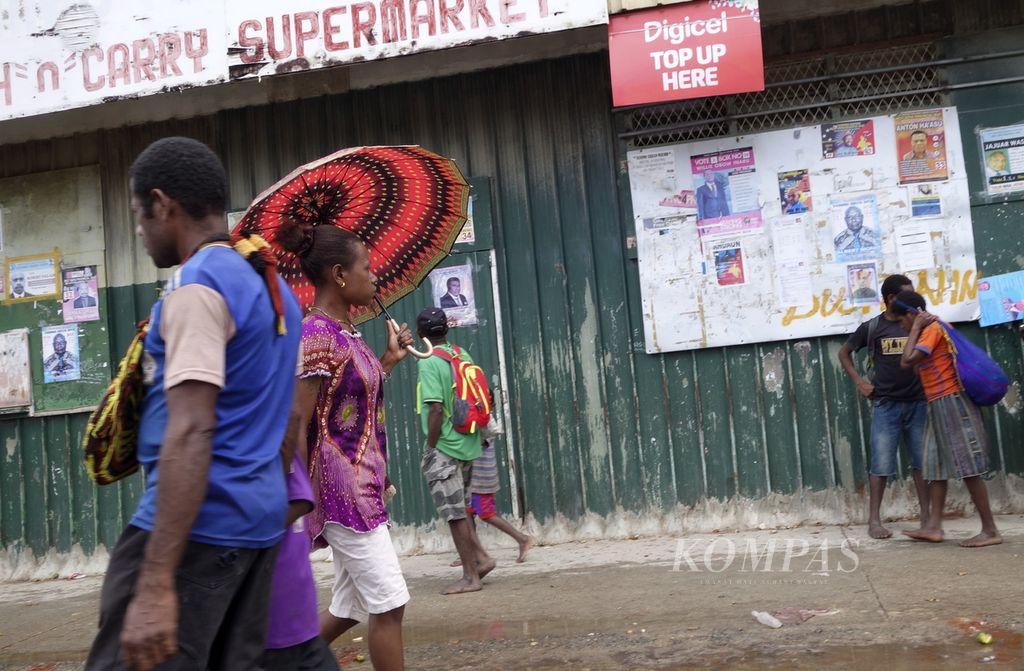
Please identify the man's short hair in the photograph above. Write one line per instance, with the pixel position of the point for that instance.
(186, 170)
(894, 284)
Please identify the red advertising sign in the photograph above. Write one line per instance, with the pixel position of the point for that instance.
(689, 50)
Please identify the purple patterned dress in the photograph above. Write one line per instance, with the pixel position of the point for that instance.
(347, 443)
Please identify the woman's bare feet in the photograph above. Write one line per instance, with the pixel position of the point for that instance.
(524, 549)
(982, 540)
(922, 534)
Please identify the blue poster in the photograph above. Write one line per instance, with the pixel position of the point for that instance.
(1001, 298)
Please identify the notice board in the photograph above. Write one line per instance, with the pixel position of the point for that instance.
(789, 234)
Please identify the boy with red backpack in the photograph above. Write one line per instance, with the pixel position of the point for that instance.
(452, 409)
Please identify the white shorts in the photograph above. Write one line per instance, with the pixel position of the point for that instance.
(367, 576)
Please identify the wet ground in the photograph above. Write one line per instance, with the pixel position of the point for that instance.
(653, 604)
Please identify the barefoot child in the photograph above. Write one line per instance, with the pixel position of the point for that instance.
(955, 444)
(483, 486)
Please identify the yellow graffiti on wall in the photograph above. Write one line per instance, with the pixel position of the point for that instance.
(960, 288)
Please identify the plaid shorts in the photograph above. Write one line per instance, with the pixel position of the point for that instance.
(448, 479)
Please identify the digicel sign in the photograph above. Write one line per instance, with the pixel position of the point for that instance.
(690, 50)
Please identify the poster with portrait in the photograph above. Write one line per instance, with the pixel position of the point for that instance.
(854, 226)
(848, 139)
(15, 372)
(31, 278)
(862, 284)
(727, 256)
(81, 298)
(921, 147)
(1003, 153)
(1001, 298)
(726, 188)
(452, 290)
(925, 200)
(795, 192)
(62, 360)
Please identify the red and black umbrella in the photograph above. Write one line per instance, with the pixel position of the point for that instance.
(407, 204)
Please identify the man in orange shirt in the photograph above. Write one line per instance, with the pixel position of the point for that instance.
(955, 444)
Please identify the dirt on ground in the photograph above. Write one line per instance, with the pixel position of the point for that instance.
(844, 602)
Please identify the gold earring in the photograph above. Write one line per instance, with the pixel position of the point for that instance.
(343, 284)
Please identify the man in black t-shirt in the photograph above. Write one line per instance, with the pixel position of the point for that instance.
(899, 409)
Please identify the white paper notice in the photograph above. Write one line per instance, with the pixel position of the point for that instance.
(793, 281)
(914, 246)
(789, 241)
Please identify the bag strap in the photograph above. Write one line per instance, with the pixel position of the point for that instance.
(872, 330)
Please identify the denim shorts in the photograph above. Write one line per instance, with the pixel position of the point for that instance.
(891, 420)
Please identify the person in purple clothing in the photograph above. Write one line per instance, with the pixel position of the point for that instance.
(293, 627)
(340, 400)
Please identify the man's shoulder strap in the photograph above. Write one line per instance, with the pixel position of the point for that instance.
(872, 329)
(445, 355)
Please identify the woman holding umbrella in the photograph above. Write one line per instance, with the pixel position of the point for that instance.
(359, 227)
(340, 397)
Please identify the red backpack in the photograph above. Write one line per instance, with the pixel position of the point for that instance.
(472, 407)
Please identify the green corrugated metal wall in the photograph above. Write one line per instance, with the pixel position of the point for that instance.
(599, 425)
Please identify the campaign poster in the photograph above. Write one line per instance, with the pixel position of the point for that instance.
(921, 147)
(925, 201)
(726, 188)
(80, 289)
(728, 262)
(855, 229)
(862, 284)
(31, 278)
(61, 356)
(452, 290)
(468, 234)
(848, 139)
(795, 192)
(1003, 153)
(1001, 298)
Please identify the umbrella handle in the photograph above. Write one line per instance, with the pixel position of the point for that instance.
(426, 354)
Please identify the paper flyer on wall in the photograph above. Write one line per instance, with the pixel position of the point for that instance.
(925, 201)
(856, 180)
(789, 240)
(468, 234)
(1001, 298)
(793, 284)
(862, 284)
(653, 174)
(726, 187)
(453, 292)
(15, 371)
(847, 139)
(31, 278)
(1003, 150)
(80, 288)
(855, 228)
(913, 241)
(61, 356)
(795, 192)
(727, 258)
(921, 146)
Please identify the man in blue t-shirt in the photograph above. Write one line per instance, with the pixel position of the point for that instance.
(188, 582)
